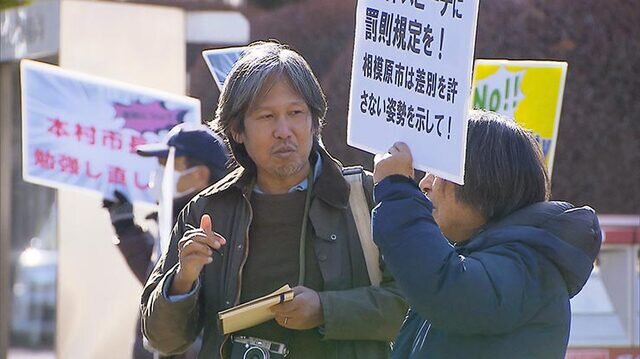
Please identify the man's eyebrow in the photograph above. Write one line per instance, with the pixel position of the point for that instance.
(266, 107)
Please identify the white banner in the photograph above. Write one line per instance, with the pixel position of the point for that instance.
(411, 80)
(81, 131)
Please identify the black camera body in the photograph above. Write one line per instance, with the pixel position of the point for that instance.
(256, 348)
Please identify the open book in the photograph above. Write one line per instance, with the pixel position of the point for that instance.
(255, 312)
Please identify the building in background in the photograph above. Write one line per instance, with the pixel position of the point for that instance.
(597, 158)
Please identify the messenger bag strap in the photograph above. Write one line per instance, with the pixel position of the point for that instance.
(362, 217)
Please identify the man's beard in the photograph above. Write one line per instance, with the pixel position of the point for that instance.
(288, 170)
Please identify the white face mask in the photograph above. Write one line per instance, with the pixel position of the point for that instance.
(156, 183)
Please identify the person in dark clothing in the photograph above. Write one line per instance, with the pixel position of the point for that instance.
(283, 217)
(488, 267)
(201, 159)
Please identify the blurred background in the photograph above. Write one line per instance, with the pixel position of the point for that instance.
(597, 160)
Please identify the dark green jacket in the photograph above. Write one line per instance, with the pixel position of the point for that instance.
(359, 318)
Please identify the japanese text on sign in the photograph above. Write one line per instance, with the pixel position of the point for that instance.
(411, 77)
(82, 132)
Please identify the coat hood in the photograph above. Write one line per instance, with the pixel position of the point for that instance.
(570, 237)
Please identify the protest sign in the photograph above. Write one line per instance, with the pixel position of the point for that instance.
(411, 80)
(220, 62)
(530, 92)
(81, 131)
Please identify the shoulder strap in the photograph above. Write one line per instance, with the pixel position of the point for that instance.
(362, 216)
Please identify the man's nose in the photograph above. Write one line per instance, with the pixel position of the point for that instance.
(426, 183)
(283, 127)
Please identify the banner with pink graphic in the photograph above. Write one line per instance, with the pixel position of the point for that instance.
(81, 131)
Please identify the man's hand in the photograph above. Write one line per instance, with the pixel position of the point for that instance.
(302, 312)
(195, 250)
(398, 161)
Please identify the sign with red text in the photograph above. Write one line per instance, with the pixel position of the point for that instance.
(411, 80)
(81, 131)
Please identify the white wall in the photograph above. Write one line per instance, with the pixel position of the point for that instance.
(98, 297)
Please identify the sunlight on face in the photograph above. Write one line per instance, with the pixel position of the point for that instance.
(278, 132)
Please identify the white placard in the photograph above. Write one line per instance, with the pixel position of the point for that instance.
(220, 62)
(411, 80)
(81, 131)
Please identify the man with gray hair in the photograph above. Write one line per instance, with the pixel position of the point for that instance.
(284, 216)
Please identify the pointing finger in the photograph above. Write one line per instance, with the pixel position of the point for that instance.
(205, 223)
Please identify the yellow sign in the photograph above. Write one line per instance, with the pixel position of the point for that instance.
(530, 92)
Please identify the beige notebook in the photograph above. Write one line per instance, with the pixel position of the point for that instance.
(255, 312)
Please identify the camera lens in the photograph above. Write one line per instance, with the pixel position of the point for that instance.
(256, 353)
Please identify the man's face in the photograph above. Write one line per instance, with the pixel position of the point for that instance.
(278, 132)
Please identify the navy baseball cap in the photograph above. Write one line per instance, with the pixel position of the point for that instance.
(194, 141)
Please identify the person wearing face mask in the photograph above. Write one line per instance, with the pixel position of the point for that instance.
(200, 160)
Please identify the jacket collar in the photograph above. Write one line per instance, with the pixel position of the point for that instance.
(331, 187)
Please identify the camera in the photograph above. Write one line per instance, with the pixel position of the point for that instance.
(256, 348)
